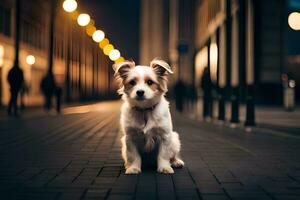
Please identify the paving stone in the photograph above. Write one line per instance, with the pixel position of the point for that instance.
(165, 188)
(120, 197)
(74, 195)
(214, 197)
(77, 156)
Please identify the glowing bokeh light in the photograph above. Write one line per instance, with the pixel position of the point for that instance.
(98, 36)
(103, 43)
(70, 5)
(83, 19)
(119, 60)
(107, 49)
(294, 21)
(30, 59)
(292, 83)
(90, 29)
(114, 54)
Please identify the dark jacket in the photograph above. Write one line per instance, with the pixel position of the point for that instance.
(206, 83)
(48, 85)
(15, 78)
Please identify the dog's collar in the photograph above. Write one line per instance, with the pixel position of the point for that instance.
(144, 109)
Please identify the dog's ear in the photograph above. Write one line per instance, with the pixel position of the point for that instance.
(161, 67)
(122, 69)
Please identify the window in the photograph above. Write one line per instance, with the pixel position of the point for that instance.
(5, 21)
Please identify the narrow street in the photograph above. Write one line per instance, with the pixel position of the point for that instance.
(76, 155)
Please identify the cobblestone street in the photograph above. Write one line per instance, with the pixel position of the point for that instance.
(76, 155)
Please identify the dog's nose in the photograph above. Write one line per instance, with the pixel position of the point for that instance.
(140, 93)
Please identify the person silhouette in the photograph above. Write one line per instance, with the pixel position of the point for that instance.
(206, 86)
(180, 94)
(48, 89)
(191, 96)
(58, 94)
(15, 79)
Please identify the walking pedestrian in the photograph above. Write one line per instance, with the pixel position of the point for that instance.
(48, 89)
(15, 79)
(206, 86)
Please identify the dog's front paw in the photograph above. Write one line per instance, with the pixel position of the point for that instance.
(165, 170)
(177, 163)
(133, 170)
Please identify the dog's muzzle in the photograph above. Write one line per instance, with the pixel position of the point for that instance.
(140, 95)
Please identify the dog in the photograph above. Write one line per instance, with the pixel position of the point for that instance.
(145, 117)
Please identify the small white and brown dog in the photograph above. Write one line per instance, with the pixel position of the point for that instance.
(145, 117)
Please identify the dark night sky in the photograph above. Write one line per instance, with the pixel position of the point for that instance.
(292, 36)
(293, 41)
(119, 19)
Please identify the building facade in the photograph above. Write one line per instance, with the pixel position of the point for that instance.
(167, 32)
(243, 43)
(79, 66)
(247, 47)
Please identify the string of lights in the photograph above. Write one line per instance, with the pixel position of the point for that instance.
(84, 20)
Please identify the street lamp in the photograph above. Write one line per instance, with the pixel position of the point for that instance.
(90, 29)
(70, 5)
(114, 54)
(103, 43)
(98, 36)
(107, 49)
(119, 60)
(83, 19)
(294, 21)
(30, 59)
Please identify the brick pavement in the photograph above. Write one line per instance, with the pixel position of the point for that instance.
(77, 156)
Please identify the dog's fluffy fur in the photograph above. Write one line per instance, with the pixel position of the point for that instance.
(145, 116)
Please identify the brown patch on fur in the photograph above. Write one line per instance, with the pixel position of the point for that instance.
(120, 78)
(122, 71)
(154, 86)
(127, 87)
(127, 84)
(163, 84)
(160, 67)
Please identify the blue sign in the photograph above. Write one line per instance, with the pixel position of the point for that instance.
(182, 48)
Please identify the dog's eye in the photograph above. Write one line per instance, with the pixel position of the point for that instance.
(149, 82)
(132, 82)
